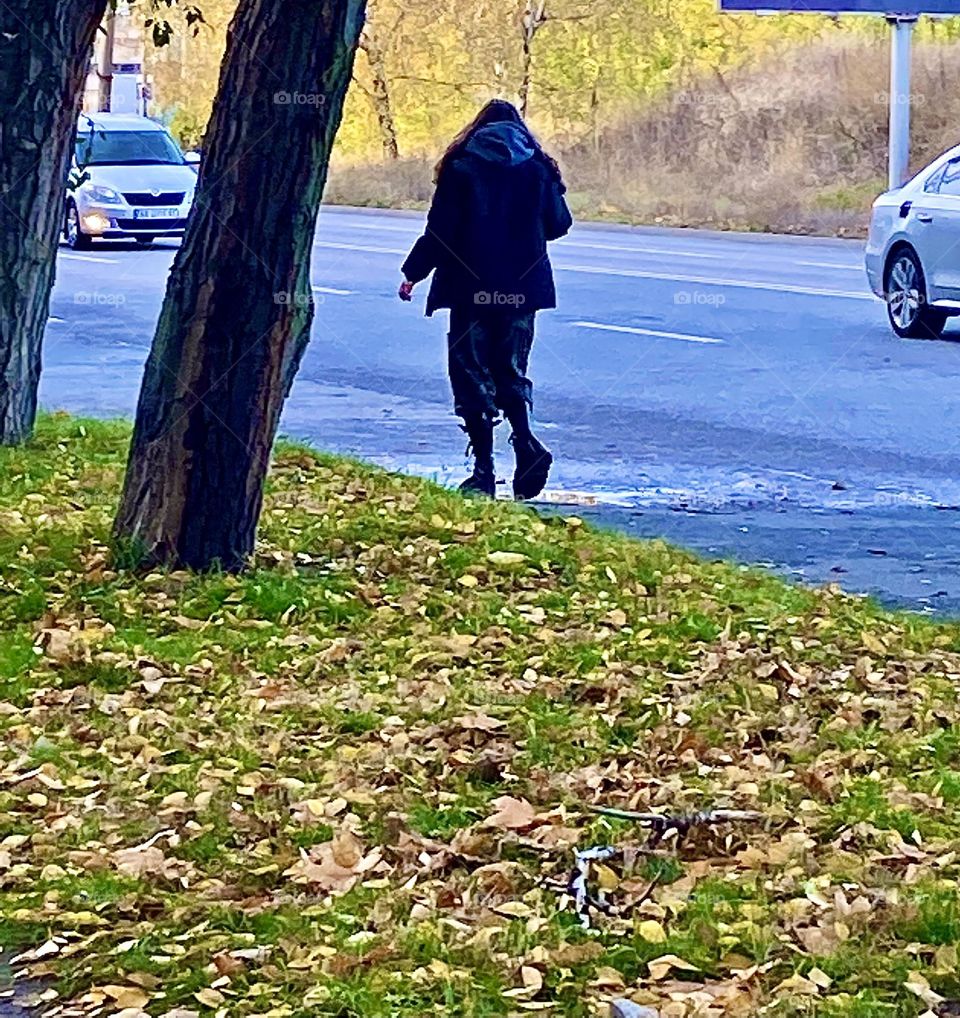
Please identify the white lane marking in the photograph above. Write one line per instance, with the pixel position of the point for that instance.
(331, 289)
(369, 248)
(565, 242)
(685, 336)
(663, 252)
(87, 258)
(673, 277)
(568, 242)
(415, 228)
(833, 265)
(748, 284)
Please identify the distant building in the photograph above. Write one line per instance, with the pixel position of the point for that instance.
(120, 88)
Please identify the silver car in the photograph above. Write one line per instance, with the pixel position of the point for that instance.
(913, 249)
(129, 179)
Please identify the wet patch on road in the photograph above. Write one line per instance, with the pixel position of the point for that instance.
(907, 558)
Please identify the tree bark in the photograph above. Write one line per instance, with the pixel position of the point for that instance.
(531, 21)
(45, 48)
(105, 65)
(380, 93)
(238, 308)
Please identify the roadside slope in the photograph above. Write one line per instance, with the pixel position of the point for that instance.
(335, 785)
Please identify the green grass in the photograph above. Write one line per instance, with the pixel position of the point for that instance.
(849, 197)
(279, 790)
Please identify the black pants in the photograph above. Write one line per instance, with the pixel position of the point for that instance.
(489, 350)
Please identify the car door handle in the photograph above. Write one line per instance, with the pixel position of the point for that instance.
(924, 217)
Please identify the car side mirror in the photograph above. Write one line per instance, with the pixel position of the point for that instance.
(192, 159)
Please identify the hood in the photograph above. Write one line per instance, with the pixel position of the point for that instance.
(158, 177)
(505, 143)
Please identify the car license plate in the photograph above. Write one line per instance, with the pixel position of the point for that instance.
(155, 213)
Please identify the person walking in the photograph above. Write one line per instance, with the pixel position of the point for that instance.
(498, 200)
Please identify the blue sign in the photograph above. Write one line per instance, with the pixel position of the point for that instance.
(909, 7)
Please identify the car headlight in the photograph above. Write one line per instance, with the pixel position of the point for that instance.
(107, 195)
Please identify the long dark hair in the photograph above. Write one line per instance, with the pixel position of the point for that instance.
(497, 111)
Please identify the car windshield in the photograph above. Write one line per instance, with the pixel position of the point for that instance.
(126, 148)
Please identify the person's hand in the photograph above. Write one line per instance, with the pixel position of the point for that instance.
(406, 290)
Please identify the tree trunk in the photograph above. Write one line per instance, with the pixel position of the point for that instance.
(45, 48)
(237, 313)
(531, 20)
(380, 94)
(105, 64)
(595, 111)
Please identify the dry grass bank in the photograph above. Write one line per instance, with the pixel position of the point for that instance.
(798, 147)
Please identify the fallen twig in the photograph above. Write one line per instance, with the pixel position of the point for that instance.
(663, 824)
(651, 887)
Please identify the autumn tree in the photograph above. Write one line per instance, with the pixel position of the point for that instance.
(184, 75)
(238, 308)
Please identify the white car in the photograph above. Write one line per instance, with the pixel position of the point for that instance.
(913, 249)
(129, 179)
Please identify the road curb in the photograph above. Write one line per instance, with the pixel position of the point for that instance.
(647, 230)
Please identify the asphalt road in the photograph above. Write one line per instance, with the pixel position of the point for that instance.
(738, 394)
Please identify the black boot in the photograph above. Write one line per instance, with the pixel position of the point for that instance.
(533, 457)
(483, 480)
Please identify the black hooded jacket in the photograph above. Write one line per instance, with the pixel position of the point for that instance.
(496, 205)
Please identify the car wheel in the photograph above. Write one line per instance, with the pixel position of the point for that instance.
(144, 241)
(911, 317)
(73, 232)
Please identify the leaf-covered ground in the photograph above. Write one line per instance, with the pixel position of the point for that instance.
(344, 783)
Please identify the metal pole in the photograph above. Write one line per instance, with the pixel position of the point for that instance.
(902, 32)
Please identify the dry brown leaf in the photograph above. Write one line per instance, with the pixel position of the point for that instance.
(917, 983)
(143, 861)
(660, 967)
(511, 814)
(127, 996)
(798, 985)
(607, 977)
(57, 644)
(227, 965)
(209, 997)
(532, 978)
(334, 866)
(187, 623)
(479, 721)
(347, 850)
(506, 558)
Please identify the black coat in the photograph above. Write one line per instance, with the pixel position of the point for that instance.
(496, 205)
